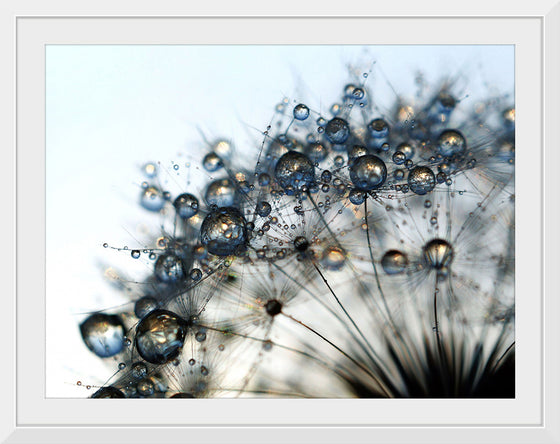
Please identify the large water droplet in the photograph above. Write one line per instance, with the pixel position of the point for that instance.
(337, 130)
(169, 268)
(152, 199)
(220, 193)
(263, 209)
(186, 205)
(438, 253)
(316, 152)
(103, 334)
(224, 232)
(159, 336)
(394, 262)
(301, 112)
(378, 128)
(333, 258)
(368, 172)
(294, 171)
(451, 142)
(421, 180)
(145, 305)
(212, 162)
(139, 370)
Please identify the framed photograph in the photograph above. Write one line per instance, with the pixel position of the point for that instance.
(314, 225)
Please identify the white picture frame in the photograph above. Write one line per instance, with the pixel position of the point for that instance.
(533, 417)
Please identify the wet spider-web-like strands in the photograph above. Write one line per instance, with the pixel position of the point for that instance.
(363, 251)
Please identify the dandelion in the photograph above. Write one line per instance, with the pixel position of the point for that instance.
(363, 251)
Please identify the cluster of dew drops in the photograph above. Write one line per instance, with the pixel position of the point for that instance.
(303, 203)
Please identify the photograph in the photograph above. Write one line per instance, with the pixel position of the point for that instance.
(280, 221)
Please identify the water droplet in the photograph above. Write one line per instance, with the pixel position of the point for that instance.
(338, 161)
(196, 274)
(135, 254)
(446, 103)
(357, 197)
(438, 253)
(399, 158)
(139, 370)
(224, 232)
(335, 109)
(333, 258)
(105, 245)
(160, 336)
(316, 152)
(145, 305)
(220, 193)
(451, 142)
(200, 336)
(293, 171)
(223, 149)
(301, 112)
(103, 334)
(145, 387)
(394, 262)
(398, 174)
(407, 149)
(358, 93)
(264, 179)
(378, 128)
(122, 365)
(169, 268)
(263, 209)
(326, 176)
(421, 180)
(186, 205)
(152, 199)
(337, 130)
(368, 172)
(355, 152)
(212, 162)
(150, 170)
